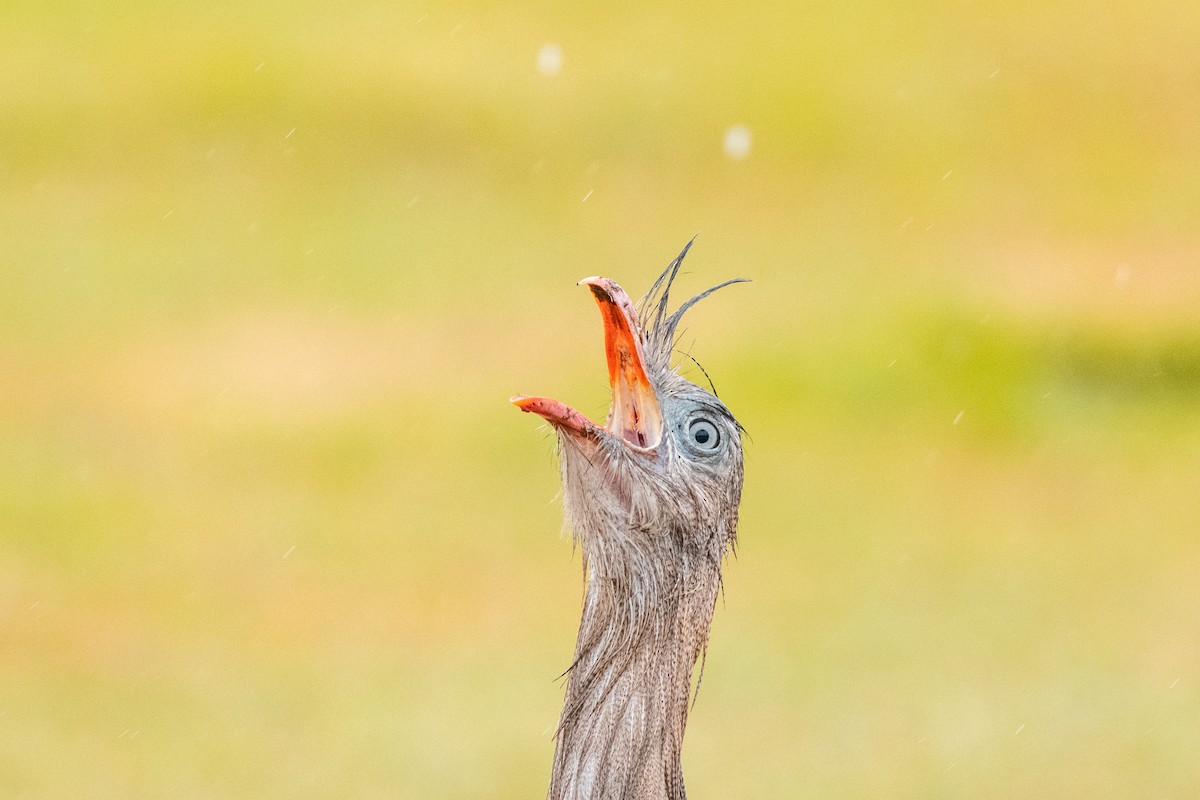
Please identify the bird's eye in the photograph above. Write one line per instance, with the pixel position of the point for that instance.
(704, 435)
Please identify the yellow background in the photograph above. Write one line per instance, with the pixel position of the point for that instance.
(269, 527)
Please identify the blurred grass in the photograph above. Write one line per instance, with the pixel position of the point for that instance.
(268, 527)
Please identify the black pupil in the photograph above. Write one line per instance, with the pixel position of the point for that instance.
(702, 436)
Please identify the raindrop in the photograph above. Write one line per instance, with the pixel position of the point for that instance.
(549, 59)
(737, 142)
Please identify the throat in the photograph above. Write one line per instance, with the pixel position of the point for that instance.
(621, 730)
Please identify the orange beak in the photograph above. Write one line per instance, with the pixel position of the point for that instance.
(635, 415)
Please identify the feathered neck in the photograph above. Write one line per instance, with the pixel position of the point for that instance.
(621, 730)
(647, 611)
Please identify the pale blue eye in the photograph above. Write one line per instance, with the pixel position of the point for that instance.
(704, 435)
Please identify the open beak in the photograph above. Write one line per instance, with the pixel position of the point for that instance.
(635, 416)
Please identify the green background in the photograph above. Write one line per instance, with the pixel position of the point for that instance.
(269, 527)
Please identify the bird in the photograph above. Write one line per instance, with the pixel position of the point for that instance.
(652, 500)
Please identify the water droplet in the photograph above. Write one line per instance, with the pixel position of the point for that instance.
(549, 59)
(737, 142)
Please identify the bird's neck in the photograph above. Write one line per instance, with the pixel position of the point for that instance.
(621, 730)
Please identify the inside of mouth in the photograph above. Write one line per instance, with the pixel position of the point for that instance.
(635, 415)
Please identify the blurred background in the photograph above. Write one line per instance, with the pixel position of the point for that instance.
(270, 528)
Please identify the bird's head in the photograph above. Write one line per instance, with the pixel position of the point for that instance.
(665, 469)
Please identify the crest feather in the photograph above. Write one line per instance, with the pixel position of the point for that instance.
(659, 324)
